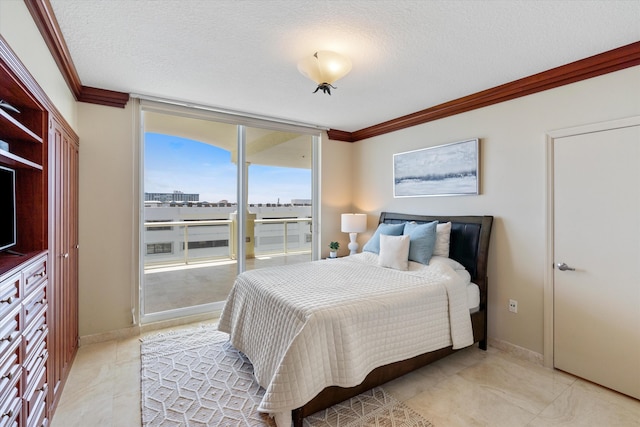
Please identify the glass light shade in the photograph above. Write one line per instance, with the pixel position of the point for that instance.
(353, 223)
(325, 66)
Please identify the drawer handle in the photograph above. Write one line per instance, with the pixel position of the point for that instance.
(41, 274)
(7, 300)
(43, 388)
(42, 301)
(42, 328)
(7, 376)
(7, 338)
(8, 414)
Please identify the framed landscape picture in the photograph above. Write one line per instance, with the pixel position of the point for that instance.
(443, 170)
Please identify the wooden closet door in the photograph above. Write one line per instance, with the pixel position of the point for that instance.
(64, 257)
(72, 288)
(56, 246)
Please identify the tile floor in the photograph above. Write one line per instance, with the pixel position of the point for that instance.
(469, 388)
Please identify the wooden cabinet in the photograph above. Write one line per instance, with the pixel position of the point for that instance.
(24, 341)
(35, 337)
(39, 277)
(63, 163)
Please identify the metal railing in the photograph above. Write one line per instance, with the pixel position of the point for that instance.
(231, 239)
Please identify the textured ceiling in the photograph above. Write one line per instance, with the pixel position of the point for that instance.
(407, 55)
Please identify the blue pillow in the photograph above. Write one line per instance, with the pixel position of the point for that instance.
(373, 245)
(422, 240)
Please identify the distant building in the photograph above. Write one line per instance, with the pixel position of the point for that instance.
(176, 196)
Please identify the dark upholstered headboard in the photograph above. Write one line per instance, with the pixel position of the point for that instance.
(469, 241)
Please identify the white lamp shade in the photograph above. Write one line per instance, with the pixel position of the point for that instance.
(325, 66)
(353, 223)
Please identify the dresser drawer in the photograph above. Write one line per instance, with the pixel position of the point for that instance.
(37, 417)
(10, 408)
(10, 371)
(9, 294)
(34, 274)
(34, 366)
(35, 398)
(35, 339)
(35, 304)
(9, 332)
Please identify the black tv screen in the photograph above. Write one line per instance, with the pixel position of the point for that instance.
(7, 208)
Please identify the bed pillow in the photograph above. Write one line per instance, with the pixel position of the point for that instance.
(422, 239)
(373, 245)
(443, 238)
(450, 262)
(394, 252)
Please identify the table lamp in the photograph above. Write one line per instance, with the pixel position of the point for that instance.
(353, 224)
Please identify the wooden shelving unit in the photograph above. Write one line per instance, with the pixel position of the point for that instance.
(26, 134)
(39, 288)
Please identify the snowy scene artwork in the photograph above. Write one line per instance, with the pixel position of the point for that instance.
(443, 170)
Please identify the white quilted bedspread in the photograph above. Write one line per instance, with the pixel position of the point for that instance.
(308, 326)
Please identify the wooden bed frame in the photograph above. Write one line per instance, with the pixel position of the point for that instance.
(470, 247)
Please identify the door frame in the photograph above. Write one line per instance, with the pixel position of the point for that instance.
(551, 136)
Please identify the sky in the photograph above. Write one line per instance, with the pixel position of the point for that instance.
(172, 163)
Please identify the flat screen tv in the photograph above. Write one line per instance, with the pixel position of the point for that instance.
(7, 208)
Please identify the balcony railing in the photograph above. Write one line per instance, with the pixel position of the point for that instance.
(166, 244)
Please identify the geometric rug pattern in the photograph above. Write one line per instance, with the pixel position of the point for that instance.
(195, 378)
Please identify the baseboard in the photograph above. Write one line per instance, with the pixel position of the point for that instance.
(118, 334)
(517, 351)
(136, 330)
(162, 324)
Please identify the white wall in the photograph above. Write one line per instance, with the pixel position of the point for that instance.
(513, 184)
(336, 177)
(108, 256)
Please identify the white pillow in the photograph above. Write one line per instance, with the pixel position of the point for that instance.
(394, 252)
(443, 237)
(450, 262)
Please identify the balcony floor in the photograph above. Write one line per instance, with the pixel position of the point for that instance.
(173, 287)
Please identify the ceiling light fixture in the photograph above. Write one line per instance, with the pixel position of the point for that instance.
(325, 67)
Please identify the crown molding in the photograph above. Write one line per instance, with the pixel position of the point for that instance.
(45, 20)
(340, 135)
(607, 62)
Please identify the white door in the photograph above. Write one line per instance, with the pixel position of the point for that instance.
(597, 233)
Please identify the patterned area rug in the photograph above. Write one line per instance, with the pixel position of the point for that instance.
(195, 378)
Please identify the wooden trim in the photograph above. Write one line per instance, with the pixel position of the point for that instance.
(607, 62)
(45, 20)
(340, 135)
(103, 97)
(47, 23)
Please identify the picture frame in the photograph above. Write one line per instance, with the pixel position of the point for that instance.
(443, 170)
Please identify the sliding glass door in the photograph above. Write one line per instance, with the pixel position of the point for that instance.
(202, 179)
(279, 202)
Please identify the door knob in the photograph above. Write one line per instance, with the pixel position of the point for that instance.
(564, 267)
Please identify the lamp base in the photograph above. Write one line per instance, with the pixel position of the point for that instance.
(353, 245)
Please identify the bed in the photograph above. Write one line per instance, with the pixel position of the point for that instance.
(321, 332)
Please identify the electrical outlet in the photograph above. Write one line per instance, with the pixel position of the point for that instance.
(513, 306)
